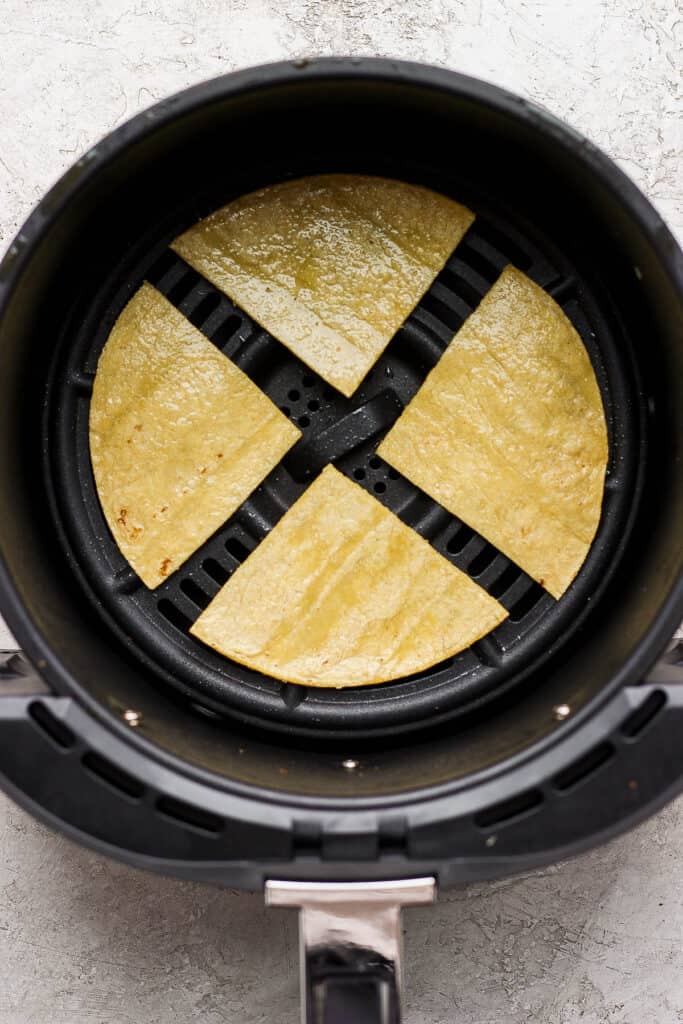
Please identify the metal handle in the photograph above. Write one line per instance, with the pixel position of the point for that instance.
(349, 984)
(350, 946)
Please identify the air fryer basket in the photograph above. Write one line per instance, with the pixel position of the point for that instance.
(135, 738)
(346, 431)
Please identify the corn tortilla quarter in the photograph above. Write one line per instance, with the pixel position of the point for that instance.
(331, 265)
(179, 436)
(342, 593)
(508, 432)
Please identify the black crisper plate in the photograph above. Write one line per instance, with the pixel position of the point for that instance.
(154, 625)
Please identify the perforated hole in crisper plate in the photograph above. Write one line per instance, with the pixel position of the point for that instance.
(158, 622)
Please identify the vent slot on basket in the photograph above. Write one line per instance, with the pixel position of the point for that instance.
(174, 615)
(460, 538)
(527, 601)
(114, 776)
(583, 767)
(182, 288)
(216, 571)
(506, 579)
(57, 731)
(642, 716)
(167, 262)
(222, 335)
(482, 561)
(237, 549)
(458, 284)
(208, 305)
(446, 313)
(480, 264)
(293, 695)
(505, 245)
(188, 815)
(509, 810)
(194, 592)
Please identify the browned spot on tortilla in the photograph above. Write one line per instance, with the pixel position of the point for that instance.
(163, 568)
(132, 531)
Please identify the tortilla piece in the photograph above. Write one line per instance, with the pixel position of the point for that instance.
(331, 265)
(508, 432)
(342, 593)
(179, 436)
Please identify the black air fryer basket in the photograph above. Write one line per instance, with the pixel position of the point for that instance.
(558, 729)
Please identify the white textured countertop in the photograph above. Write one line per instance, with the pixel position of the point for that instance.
(598, 940)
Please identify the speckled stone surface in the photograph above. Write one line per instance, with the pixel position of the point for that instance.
(598, 940)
